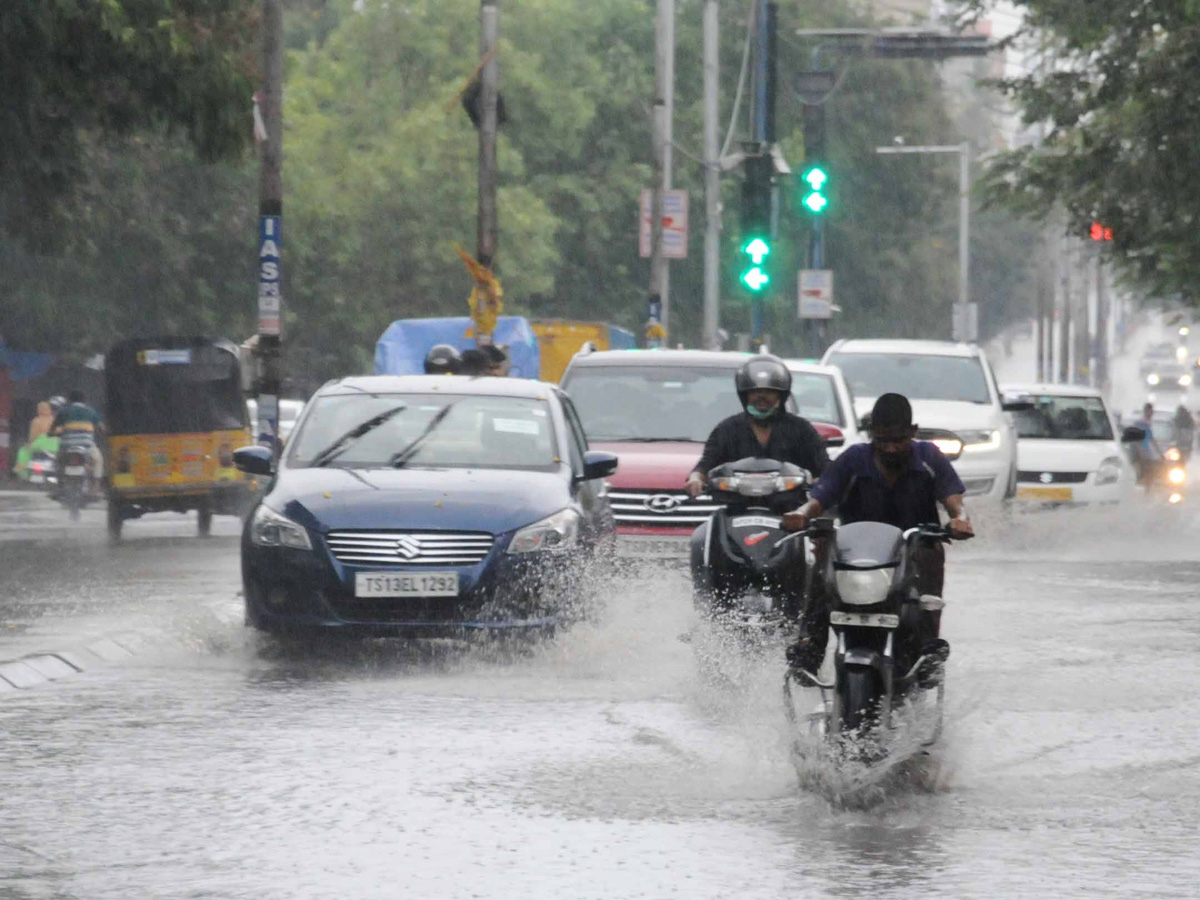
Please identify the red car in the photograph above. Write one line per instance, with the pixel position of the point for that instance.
(655, 409)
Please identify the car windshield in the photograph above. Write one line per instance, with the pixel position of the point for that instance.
(917, 376)
(652, 402)
(475, 432)
(1066, 418)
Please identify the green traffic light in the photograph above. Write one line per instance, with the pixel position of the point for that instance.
(757, 250)
(815, 178)
(816, 203)
(755, 279)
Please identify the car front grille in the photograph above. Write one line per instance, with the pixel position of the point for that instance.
(660, 508)
(1053, 477)
(408, 548)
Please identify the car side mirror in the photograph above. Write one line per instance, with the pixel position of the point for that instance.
(1133, 434)
(1012, 406)
(598, 464)
(254, 460)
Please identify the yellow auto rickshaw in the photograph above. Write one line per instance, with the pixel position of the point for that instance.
(174, 415)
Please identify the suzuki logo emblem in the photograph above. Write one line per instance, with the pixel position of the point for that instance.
(409, 548)
(663, 503)
(1046, 477)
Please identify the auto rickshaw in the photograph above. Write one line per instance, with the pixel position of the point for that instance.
(174, 414)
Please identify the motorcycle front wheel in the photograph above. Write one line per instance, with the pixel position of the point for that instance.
(860, 700)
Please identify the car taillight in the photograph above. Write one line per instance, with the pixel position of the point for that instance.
(124, 461)
(225, 454)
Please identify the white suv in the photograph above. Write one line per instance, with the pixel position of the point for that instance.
(955, 398)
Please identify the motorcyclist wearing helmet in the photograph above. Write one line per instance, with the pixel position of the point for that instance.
(765, 429)
(442, 359)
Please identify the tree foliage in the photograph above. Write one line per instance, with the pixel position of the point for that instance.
(1117, 95)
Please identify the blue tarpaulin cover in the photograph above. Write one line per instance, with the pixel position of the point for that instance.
(402, 347)
(23, 366)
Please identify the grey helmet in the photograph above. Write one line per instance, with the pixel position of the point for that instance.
(442, 359)
(763, 373)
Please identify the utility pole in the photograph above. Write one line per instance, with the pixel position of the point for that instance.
(1100, 372)
(1083, 343)
(270, 217)
(712, 178)
(487, 235)
(1064, 327)
(1039, 325)
(762, 131)
(664, 102)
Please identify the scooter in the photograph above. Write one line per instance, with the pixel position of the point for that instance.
(875, 611)
(749, 572)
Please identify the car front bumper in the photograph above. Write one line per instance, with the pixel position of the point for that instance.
(1087, 492)
(986, 476)
(300, 590)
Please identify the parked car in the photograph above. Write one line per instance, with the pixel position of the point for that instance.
(426, 506)
(1067, 448)
(955, 400)
(655, 409)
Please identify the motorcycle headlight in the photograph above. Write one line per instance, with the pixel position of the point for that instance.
(862, 587)
(270, 529)
(978, 441)
(1177, 475)
(553, 533)
(1109, 471)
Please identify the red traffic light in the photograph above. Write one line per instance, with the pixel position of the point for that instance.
(1100, 232)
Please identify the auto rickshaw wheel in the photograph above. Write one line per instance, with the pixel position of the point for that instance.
(115, 520)
(204, 521)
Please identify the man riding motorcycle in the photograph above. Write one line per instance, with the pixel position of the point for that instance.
(764, 430)
(78, 425)
(896, 480)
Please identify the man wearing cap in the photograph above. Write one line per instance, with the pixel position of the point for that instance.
(893, 479)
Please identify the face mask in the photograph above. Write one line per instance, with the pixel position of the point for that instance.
(762, 415)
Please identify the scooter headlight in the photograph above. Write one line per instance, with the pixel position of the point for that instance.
(862, 587)
(1177, 475)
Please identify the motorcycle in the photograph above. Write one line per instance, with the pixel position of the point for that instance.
(75, 488)
(748, 571)
(880, 665)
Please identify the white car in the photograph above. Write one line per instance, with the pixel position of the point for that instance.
(955, 399)
(822, 397)
(289, 413)
(1068, 450)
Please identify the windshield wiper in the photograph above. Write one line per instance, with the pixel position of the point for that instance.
(338, 447)
(401, 457)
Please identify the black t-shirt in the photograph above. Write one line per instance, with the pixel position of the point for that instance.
(792, 440)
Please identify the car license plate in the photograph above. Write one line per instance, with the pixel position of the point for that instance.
(755, 522)
(37, 478)
(870, 620)
(406, 584)
(74, 470)
(1051, 494)
(652, 548)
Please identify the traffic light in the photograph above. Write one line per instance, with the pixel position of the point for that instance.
(756, 223)
(1099, 232)
(816, 182)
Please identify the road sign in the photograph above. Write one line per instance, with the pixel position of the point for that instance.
(675, 224)
(966, 322)
(815, 293)
(269, 240)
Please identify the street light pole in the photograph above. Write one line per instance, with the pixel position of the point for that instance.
(712, 179)
(962, 322)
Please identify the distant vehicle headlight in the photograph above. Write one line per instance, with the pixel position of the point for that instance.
(978, 441)
(1173, 455)
(553, 533)
(1109, 471)
(1152, 379)
(862, 587)
(1185, 380)
(270, 529)
(1177, 476)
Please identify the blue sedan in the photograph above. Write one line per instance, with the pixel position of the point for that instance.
(426, 506)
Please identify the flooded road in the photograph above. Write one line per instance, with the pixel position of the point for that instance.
(602, 765)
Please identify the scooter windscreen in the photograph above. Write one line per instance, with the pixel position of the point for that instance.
(868, 545)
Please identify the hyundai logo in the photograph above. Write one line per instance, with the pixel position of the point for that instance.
(663, 503)
(407, 547)
(1046, 477)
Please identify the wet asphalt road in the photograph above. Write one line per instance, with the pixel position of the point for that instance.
(216, 765)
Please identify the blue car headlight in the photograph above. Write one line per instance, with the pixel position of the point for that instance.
(270, 529)
(553, 533)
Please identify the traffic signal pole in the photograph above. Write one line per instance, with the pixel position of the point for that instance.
(487, 224)
(763, 120)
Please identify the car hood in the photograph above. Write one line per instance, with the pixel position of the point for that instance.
(950, 415)
(1041, 455)
(656, 465)
(489, 500)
